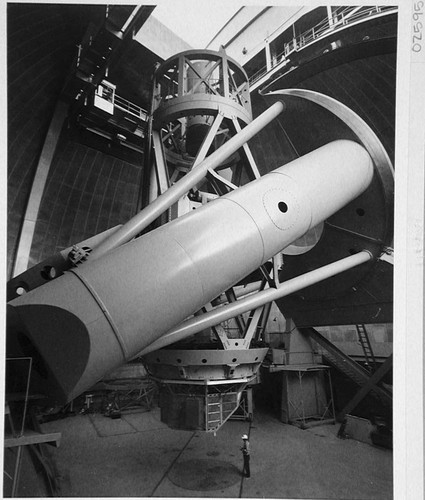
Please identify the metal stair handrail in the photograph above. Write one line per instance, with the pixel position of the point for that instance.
(344, 363)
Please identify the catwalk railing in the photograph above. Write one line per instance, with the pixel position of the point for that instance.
(341, 18)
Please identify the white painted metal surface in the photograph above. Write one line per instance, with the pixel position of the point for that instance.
(109, 309)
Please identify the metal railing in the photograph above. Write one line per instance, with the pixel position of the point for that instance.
(129, 107)
(201, 73)
(341, 17)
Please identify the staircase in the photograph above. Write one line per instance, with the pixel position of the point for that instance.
(346, 365)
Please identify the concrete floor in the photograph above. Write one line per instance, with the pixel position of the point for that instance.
(138, 456)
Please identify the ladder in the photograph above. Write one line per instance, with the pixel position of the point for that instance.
(367, 347)
(219, 408)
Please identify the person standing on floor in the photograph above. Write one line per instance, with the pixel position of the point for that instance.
(246, 455)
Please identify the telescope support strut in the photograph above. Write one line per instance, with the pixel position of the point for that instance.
(140, 221)
(223, 313)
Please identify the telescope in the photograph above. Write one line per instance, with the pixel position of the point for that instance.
(149, 288)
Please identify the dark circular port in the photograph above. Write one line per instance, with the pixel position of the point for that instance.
(204, 360)
(283, 207)
(360, 212)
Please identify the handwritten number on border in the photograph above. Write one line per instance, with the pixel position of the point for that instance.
(417, 16)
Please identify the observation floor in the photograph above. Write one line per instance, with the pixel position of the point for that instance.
(138, 456)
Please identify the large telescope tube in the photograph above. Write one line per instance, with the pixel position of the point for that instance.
(97, 316)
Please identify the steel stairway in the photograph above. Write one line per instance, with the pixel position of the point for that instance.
(346, 365)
